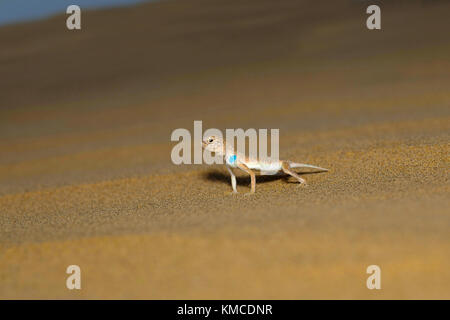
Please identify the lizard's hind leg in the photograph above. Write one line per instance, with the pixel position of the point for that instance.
(285, 166)
(252, 176)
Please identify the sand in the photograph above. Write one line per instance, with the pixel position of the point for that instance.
(86, 176)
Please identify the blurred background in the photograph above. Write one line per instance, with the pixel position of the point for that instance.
(86, 176)
(16, 11)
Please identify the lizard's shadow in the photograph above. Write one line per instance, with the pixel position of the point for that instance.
(217, 175)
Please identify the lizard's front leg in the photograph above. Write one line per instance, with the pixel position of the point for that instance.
(233, 179)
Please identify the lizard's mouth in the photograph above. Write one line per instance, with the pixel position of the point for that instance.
(204, 144)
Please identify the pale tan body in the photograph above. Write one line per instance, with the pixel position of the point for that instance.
(235, 160)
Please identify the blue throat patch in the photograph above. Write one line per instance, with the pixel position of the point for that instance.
(232, 159)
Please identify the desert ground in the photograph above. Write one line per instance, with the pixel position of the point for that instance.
(86, 176)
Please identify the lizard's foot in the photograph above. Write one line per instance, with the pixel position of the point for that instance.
(231, 193)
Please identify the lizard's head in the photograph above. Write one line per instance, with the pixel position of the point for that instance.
(213, 144)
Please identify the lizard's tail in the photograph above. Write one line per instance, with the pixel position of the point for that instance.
(303, 165)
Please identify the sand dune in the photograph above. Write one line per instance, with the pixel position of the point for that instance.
(86, 176)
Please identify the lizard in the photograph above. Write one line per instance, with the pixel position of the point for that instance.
(247, 164)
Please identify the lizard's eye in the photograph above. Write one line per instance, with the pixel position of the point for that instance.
(210, 140)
